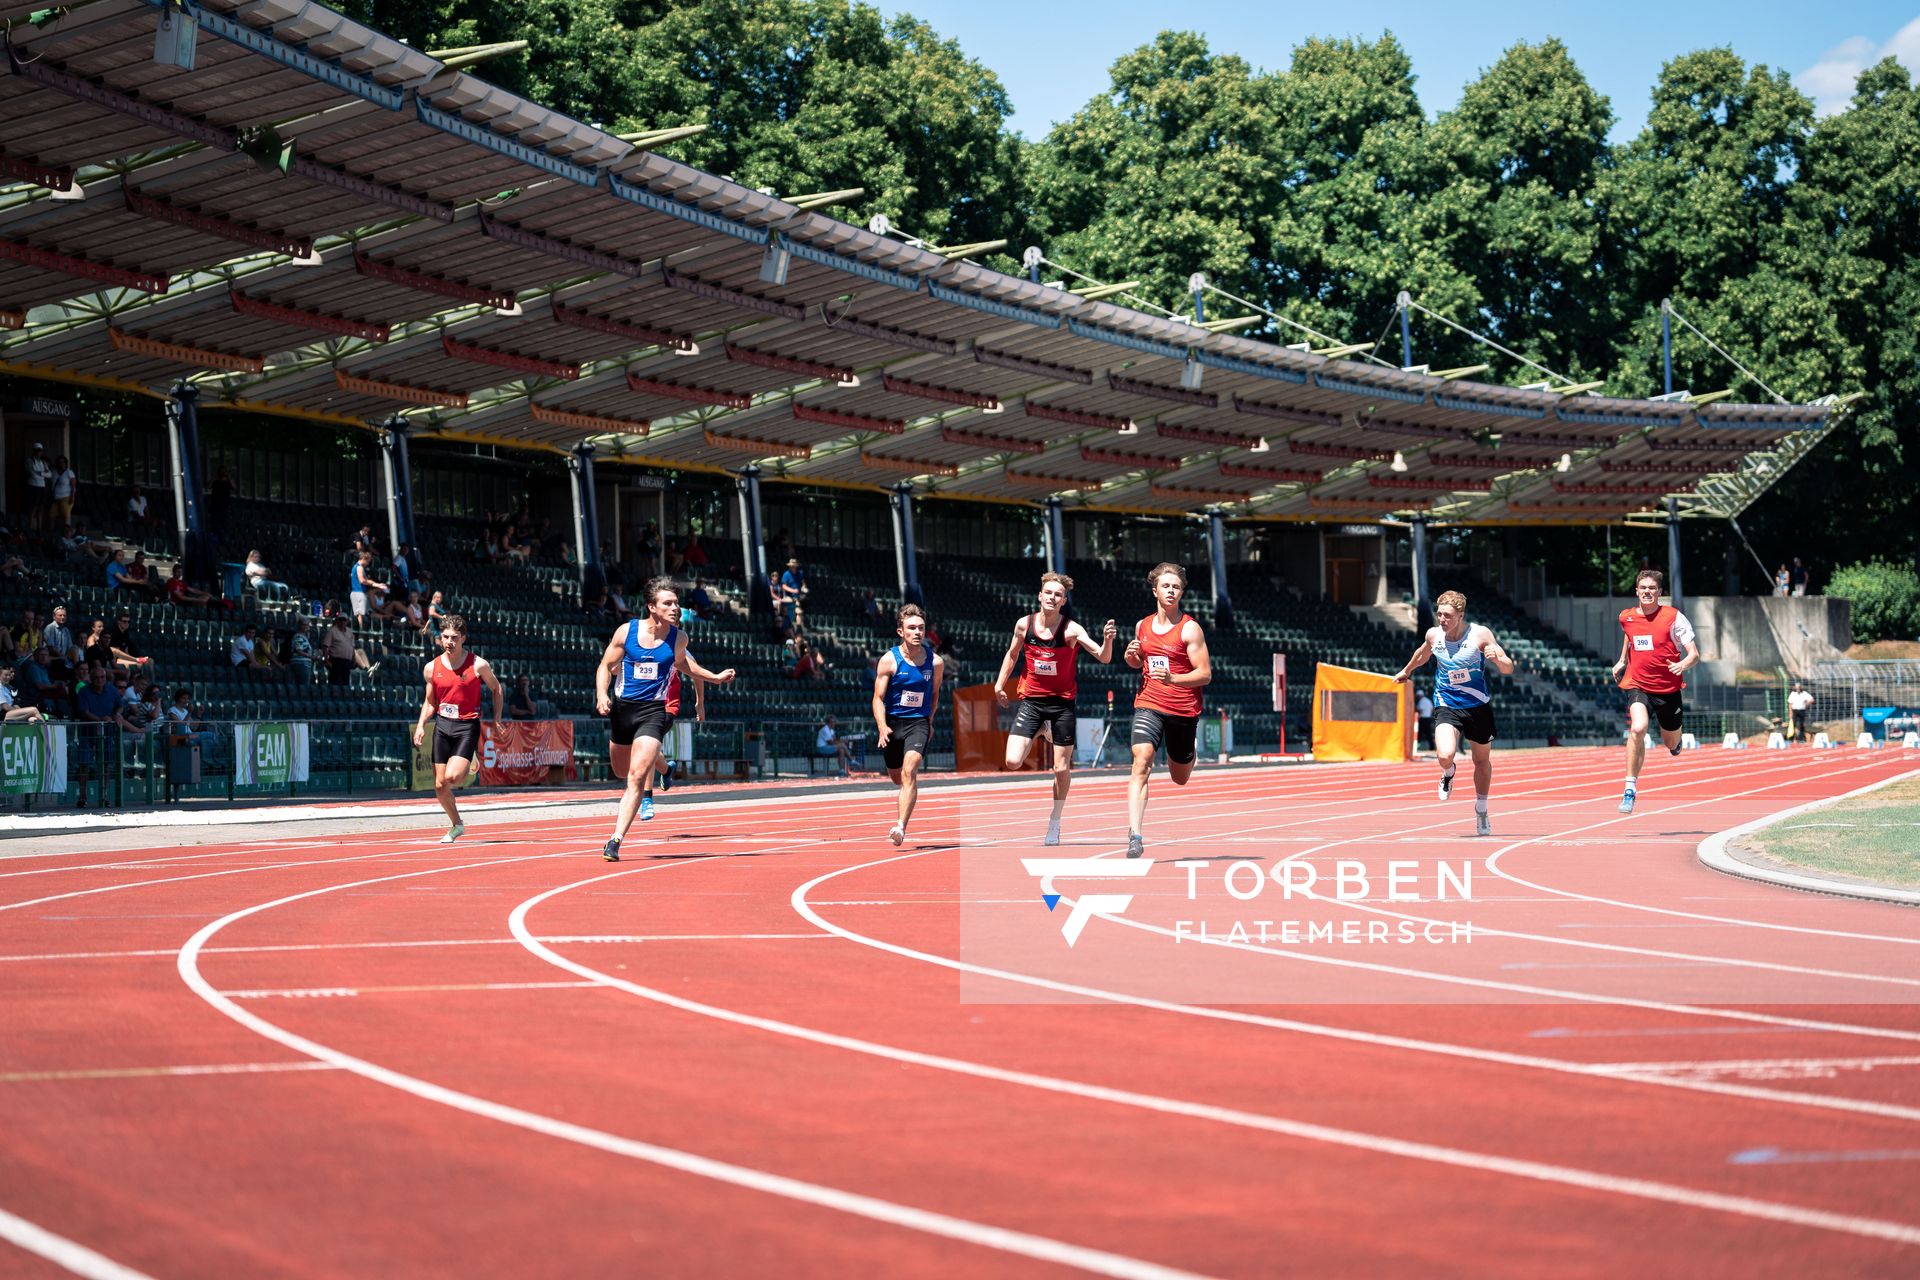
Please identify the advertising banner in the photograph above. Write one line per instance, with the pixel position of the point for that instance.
(270, 754)
(524, 753)
(33, 758)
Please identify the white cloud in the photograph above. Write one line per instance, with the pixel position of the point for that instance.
(1829, 81)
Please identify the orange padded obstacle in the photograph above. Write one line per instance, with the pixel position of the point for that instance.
(1358, 715)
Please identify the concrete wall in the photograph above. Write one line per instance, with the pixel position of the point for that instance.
(1754, 632)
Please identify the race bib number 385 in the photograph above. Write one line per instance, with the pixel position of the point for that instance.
(912, 698)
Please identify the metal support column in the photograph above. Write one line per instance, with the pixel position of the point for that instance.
(1609, 570)
(753, 543)
(1404, 305)
(1666, 343)
(1673, 549)
(586, 518)
(904, 560)
(399, 475)
(183, 434)
(1217, 556)
(1056, 531)
(1422, 599)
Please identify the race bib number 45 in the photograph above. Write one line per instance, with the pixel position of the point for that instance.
(1643, 643)
(910, 698)
(646, 671)
(450, 710)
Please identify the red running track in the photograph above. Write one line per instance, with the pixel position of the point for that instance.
(769, 1041)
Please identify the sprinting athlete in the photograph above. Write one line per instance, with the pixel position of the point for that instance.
(1463, 707)
(1657, 650)
(1047, 646)
(663, 766)
(452, 706)
(1170, 652)
(906, 692)
(647, 652)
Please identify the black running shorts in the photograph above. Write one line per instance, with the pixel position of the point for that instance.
(455, 738)
(907, 735)
(633, 720)
(1055, 713)
(1474, 723)
(1664, 707)
(1157, 729)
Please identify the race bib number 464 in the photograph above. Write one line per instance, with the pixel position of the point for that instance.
(1045, 667)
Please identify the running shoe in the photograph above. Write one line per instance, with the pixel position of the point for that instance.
(1626, 801)
(1053, 833)
(1446, 784)
(454, 832)
(1674, 749)
(898, 835)
(1135, 845)
(666, 776)
(646, 808)
(1482, 824)
(610, 852)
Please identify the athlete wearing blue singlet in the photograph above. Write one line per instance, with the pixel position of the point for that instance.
(646, 652)
(906, 692)
(1463, 705)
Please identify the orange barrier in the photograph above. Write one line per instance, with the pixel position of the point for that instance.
(978, 742)
(1358, 715)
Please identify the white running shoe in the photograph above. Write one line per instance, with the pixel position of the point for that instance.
(1482, 824)
(898, 835)
(454, 832)
(1053, 833)
(1446, 785)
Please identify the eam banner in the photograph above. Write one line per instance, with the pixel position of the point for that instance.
(270, 754)
(33, 759)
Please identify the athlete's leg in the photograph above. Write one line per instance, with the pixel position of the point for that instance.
(619, 755)
(1062, 779)
(645, 750)
(1446, 747)
(1137, 785)
(1636, 737)
(909, 785)
(1482, 768)
(1017, 747)
(443, 784)
(1178, 773)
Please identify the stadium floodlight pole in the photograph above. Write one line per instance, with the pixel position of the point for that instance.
(399, 473)
(183, 431)
(586, 518)
(1609, 567)
(753, 547)
(904, 561)
(1031, 260)
(1217, 558)
(1666, 342)
(1673, 549)
(1422, 605)
(1404, 305)
(1056, 531)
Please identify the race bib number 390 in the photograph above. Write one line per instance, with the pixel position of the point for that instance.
(1643, 643)
(646, 671)
(912, 698)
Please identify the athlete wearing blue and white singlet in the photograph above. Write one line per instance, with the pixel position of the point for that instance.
(1463, 705)
(640, 707)
(910, 687)
(906, 692)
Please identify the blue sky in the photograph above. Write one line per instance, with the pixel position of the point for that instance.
(1053, 57)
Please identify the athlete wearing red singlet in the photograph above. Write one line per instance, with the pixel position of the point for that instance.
(1657, 649)
(452, 706)
(1046, 647)
(1170, 652)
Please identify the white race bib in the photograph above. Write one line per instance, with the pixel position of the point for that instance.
(1045, 667)
(1157, 664)
(910, 698)
(646, 670)
(1459, 675)
(450, 710)
(1643, 643)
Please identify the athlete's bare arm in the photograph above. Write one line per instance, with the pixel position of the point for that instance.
(609, 661)
(484, 670)
(1621, 665)
(427, 708)
(882, 677)
(1417, 661)
(1103, 650)
(1686, 663)
(1202, 673)
(684, 662)
(1497, 655)
(1006, 663)
(1132, 653)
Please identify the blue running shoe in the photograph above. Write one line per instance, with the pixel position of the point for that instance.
(666, 775)
(646, 808)
(610, 852)
(1626, 801)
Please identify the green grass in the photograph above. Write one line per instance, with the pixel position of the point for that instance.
(1875, 836)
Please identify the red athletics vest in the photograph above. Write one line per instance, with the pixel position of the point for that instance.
(456, 693)
(1650, 648)
(1051, 667)
(1164, 653)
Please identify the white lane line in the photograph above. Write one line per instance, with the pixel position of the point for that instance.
(299, 993)
(139, 1073)
(1533, 1170)
(62, 1252)
(804, 907)
(1040, 1248)
(1761, 1064)
(171, 952)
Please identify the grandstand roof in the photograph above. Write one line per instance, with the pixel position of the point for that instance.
(316, 220)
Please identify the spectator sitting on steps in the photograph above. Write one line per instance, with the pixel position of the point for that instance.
(261, 578)
(240, 651)
(520, 704)
(181, 594)
(827, 743)
(13, 710)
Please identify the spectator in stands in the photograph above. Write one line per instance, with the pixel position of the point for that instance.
(39, 488)
(567, 557)
(1782, 581)
(404, 567)
(520, 704)
(139, 578)
(266, 658)
(100, 650)
(360, 582)
(9, 647)
(63, 650)
(61, 486)
(694, 554)
(261, 578)
(827, 744)
(185, 725)
(13, 568)
(338, 649)
(122, 641)
(29, 636)
(646, 550)
(117, 575)
(240, 651)
(140, 511)
(37, 687)
(79, 548)
(148, 716)
(870, 608)
(180, 594)
(436, 615)
(1800, 577)
(414, 614)
(806, 664)
(676, 557)
(700, 602)
(786, 598)
(12, 709)
(300, 651)
(219, 503)
(97, 707)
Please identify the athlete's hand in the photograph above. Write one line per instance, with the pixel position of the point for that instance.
(1164, 677)
(1000, 692)
(1399, 677)
(499, 727)
(1678, 668)
(419, 735)
(725, 677)
(1132, 654)
(1618, 667)
(880, 740)
(1109, 631)
(603, 706)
